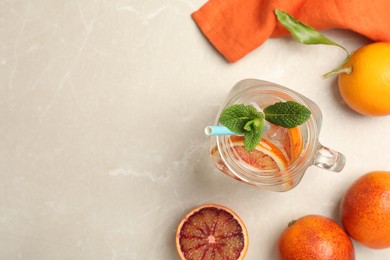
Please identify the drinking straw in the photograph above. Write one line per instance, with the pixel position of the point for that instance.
(218, 130)
(223, 130)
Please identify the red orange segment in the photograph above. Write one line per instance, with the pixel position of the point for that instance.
(295, 142)
(211, 232)
(266, 155)
(256, 159)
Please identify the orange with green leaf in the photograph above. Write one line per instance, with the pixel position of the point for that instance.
(363, 77)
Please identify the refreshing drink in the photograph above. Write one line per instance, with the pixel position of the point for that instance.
(280, 159)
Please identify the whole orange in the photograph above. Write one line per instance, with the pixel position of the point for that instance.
(365, 210)
(315, 237)
(366, 88)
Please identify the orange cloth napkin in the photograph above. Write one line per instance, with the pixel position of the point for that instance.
(236, 27)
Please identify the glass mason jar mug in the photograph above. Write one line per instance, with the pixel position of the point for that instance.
(280, 160)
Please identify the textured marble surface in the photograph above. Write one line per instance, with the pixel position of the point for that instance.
(102, 150)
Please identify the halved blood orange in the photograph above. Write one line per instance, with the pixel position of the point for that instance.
(211, 232)
(266, 155)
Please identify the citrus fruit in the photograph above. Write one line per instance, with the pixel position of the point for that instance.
(366, 89)
(266, 155)
(365, 210)
(293, 143)
(211, 232)
(315, 237)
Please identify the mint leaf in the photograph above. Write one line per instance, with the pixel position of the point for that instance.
(253, 124)
(253, 113)
(237, 116)
(245, 120)
(248, 126)
(287, 114)
(253, 137)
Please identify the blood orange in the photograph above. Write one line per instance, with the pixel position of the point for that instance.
(266, 155)
(365, 210)
(211, 232)
(315, 237)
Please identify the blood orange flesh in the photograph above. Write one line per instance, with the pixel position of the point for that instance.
(211, 232)
(266, 156)
(256, 159)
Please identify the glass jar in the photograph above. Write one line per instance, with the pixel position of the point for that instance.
(280, 160)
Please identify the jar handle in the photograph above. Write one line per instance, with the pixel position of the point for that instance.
(329, 159)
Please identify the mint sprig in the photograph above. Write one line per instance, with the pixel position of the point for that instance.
(252, 138)
(245, 119)
(240, 118)
(287, 114)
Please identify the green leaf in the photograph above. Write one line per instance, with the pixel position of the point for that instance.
(245, 120)
(253, 113)
(237, 116)
(308, 35)
(236, 124)
(252, 138)
(287, 114)
(300, 31)
(255, 123)
(248, 125)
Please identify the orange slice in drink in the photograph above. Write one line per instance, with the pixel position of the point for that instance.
(294, 143)
(211, 232)
(266, 155)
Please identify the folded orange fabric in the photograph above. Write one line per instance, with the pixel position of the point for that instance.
(236, 27)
